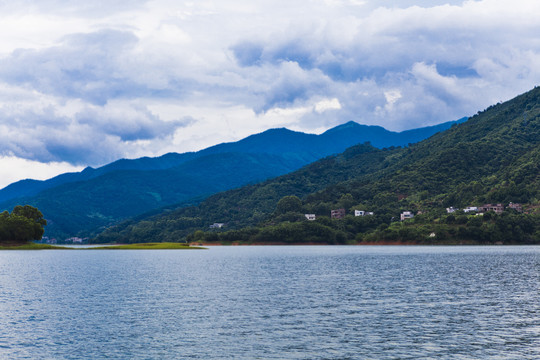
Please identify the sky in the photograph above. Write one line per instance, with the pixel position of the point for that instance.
(84, 83)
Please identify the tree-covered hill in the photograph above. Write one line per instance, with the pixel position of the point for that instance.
(81, 204)
(491, 158)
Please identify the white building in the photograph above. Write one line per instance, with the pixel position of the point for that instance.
(451, 209)
(406, 215)
(362, 213)
(470, 209)
(217, 225)
(310, 217)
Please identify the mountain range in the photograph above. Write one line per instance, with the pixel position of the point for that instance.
(493, 157)
(86, 202)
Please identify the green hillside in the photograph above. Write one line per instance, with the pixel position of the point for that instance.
(494, 157)
(83, 204)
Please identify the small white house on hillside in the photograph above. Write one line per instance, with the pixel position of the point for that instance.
(362, 213)
(310, 217)
(406, 215)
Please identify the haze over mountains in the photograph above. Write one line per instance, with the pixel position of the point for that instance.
(83, 203)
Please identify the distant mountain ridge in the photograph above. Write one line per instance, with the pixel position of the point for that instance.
(306, 147)
(82, 203)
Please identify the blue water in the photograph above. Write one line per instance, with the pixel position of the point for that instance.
(272, 303)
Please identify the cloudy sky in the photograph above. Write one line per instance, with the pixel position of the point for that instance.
(87, 82)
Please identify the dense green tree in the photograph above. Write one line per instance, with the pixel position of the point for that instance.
(25, 223)
(289, 203)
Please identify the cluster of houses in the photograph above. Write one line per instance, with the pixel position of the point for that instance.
(334, 214)
(339, 214)
(75, 240)
(479, 210)
(497, 208)
(71, 240)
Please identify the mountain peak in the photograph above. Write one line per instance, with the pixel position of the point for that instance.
(347, 125)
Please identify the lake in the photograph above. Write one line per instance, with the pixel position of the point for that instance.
(273, 302)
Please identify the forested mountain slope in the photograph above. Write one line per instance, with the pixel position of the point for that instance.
(83, 203)
(493, 157)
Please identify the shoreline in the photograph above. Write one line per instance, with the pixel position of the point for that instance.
(380, 243)
(204, 245)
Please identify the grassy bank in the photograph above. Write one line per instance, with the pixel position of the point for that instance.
(30, 246)
(142, 246)
(149, 246)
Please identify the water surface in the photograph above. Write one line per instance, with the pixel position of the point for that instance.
(305, 302)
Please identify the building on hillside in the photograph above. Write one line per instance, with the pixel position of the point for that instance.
(362, 213)
(310, 217)
(515, 206)
(337, 213)
(406, 215)
(470, 209)
(497, 208)
(217, 225)
(451, 209)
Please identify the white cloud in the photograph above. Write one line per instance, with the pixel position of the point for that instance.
(90, 82)
(49, 128)
(13, 169)
(327, 104)
(392, 96)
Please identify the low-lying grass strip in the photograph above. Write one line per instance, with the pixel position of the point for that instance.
(141, 246)
(149, 246)
(33, 246)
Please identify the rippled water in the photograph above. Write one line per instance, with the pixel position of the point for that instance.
(272, 303)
